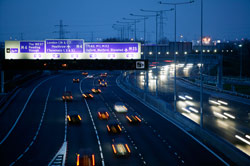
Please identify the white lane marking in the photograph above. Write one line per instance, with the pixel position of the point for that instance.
(153, 109)
(14, 125)
(129, 137)
(93, 123)
(40, 124)
(65, 118)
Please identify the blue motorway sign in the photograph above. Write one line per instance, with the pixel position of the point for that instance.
(111, 47)
(32, 47)
(64, 46)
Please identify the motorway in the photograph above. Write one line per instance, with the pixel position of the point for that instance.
(33, 127)
(231, 122)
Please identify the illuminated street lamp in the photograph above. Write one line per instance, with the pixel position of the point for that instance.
(157, 13)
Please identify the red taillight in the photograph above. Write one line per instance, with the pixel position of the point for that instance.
(129, 119)
(69, 118)
(108, 128)
(113, 146)
(138, 118)
(126, 145)
(107, 114)
(71, 97)
(119, 128)
(78, 160)
(93, 159)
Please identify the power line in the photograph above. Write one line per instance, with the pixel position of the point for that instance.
(61, 30)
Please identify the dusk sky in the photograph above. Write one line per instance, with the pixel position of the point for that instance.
(223, 19)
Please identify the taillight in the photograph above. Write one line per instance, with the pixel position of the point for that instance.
(108, 128)
(138, 118)
(79, 117)
(77, 160)
(128, 118)
(125, 108)
(119, 128)
(113, 146)
(126, 145)
(107, 114)
(68, 117)
(93, 159)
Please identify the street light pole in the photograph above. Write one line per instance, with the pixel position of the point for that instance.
(144, 18)
(156, 40)
(175, 4)
(135, 21)
(201, 69)
(241, 51)
(128, 25)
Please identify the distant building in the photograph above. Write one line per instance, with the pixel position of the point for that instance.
(182, 48)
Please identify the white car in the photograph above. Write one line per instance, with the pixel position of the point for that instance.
(184, 96)
(89, 76)
(120, 107)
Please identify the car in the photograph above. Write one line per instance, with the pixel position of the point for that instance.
(214, 100)
(103, 74)
(87, 95)
(120, 147)
(85, 157)
(184, 96)
(103, 114)
(133, 119)
(90, 76)
(120, 107)
(103, 84)
(74, 118)
(85, 73)
(100, 80)
(67, 96)
(96, 90)
(114, 128)
(76, 80)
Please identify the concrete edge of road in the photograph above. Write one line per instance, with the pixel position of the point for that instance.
(214, 88)
(187, 126)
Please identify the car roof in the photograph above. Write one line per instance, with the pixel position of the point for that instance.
(102, 110)
(120, 140)
(85, 151)
(119, 103)
(73, 113)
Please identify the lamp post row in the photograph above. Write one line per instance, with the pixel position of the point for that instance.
(201, 47)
